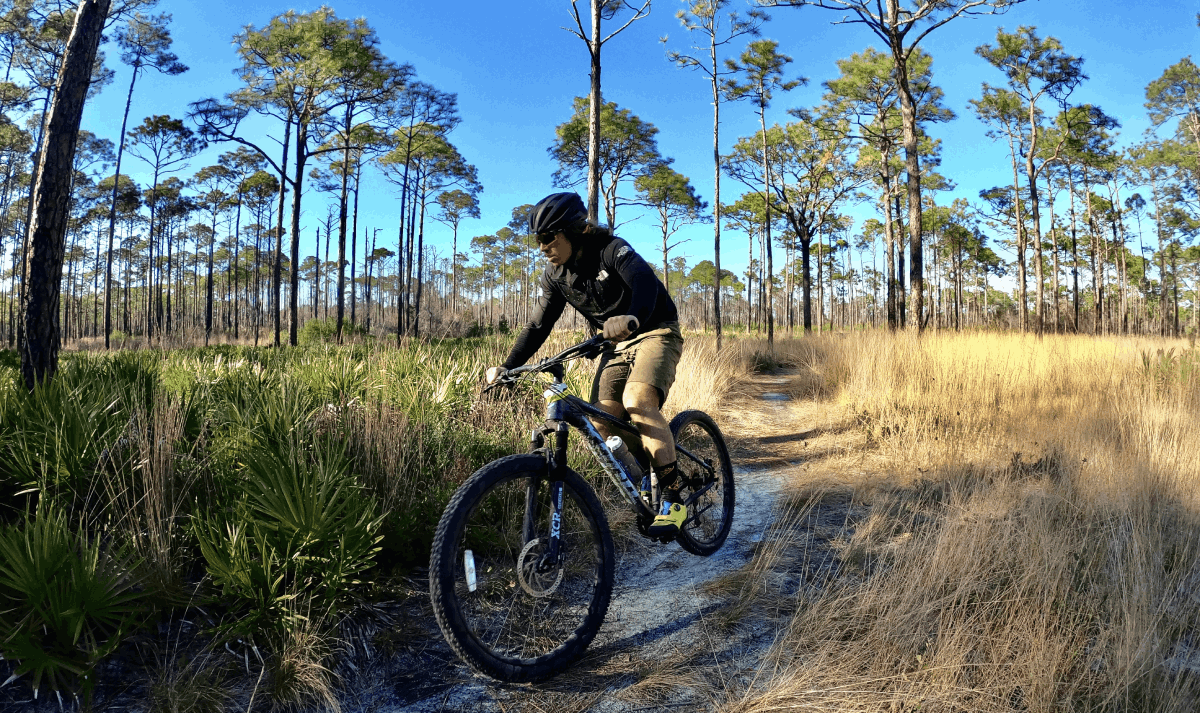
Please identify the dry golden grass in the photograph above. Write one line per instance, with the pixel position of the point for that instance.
(1032, 537)
(298, 677)
(705, 378)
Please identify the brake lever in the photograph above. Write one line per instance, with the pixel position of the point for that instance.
(498, 383)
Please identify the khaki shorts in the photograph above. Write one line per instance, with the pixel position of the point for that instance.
(649, 358)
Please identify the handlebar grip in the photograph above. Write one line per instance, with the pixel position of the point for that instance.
(633, 324)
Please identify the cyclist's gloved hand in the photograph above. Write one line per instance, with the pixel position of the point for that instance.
(494, 373)
(617, 328)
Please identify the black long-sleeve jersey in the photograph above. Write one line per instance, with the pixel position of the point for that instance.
(608, 280)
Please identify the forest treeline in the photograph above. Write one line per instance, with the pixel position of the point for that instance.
(1102, 231)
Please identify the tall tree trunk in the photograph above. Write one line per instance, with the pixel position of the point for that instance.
(342, 205)
(806, 284)
(454, 270)
(170, 278)
(893, 317)
(749, 277)
(297, 192)
(96, 289)
(25, 247)
(151, 262)
(1162, 261)
(407, 303)
(354, 246)
(594, 102)
(208, 284)
(112, 211)
(1074, 251)
(316, 302)
(51, 195)
(237, 228)
(1175, 289)
(898, 234)
(762, 121)
(257, 300)
(1093, 237)
(1119, 245)
(912, 166)
(400, 256)
(821, 253)
(716, 196)
(1031, 176)
(1022, 238)
(277, 268)
(420, 259)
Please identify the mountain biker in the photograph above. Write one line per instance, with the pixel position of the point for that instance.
(607, 282)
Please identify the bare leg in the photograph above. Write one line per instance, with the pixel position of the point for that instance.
(614, 408)
(641, 401)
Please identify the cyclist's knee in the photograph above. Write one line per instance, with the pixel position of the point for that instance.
(641, 399)
(612, 408)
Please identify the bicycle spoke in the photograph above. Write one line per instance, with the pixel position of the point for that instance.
(709, 478)
(505, 617)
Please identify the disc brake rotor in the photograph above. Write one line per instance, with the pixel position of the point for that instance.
(535, 583)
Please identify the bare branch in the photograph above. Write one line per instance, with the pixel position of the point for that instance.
(581, 34)
(966, 9)
(642, 12)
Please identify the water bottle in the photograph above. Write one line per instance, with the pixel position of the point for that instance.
(621, 451)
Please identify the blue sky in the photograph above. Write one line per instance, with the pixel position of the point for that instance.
(515, 72)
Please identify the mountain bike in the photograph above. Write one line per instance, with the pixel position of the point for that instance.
(523, 561)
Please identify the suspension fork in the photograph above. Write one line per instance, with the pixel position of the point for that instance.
(557, 468)
(556, 464)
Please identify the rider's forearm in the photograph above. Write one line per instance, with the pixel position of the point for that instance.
(546, 312)
(528, 342)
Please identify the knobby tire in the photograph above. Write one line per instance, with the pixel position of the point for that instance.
(500, 629)
(699, 434)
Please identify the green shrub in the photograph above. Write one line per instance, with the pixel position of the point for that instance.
(300, 525)
(53, 439)
(64, 604)
(1166, 369)
(324, 331)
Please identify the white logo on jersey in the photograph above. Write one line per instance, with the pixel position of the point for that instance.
(621, 253)
(603, 275)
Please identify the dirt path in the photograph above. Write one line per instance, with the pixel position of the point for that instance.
(678, 632)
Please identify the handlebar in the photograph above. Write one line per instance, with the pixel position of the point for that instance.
(589, 349)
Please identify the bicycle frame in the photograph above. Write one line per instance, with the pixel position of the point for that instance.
(564, 411)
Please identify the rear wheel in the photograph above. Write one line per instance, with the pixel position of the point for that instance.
(703, 463)
(504, 606)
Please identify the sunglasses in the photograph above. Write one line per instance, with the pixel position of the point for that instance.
(546, 238)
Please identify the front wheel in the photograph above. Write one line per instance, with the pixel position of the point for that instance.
(703, 462)
(502, 604)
